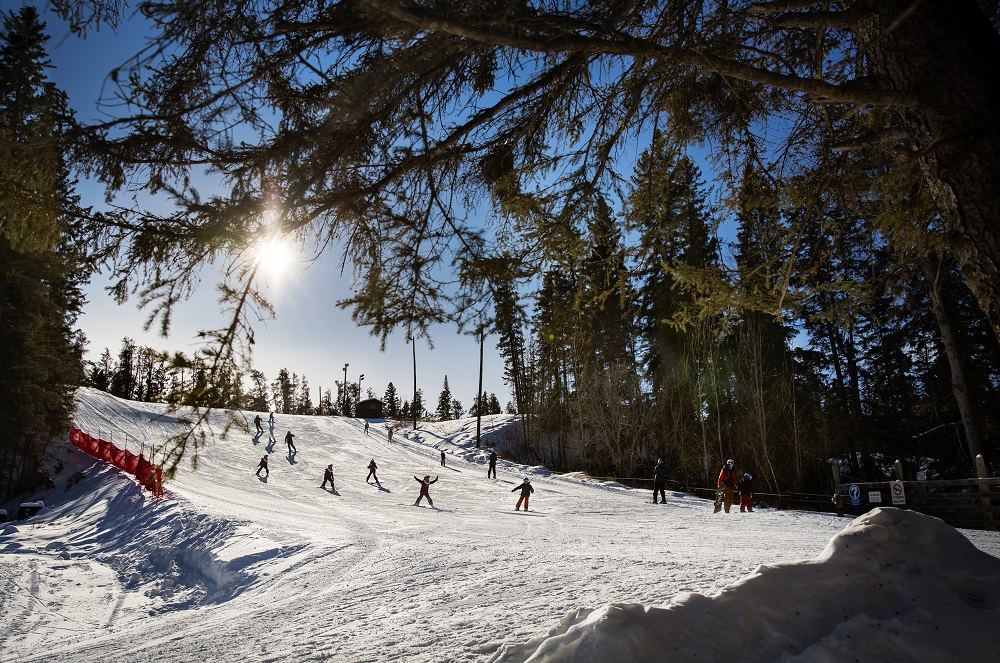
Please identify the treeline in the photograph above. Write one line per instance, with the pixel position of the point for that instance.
(667, 341)
(141, 373)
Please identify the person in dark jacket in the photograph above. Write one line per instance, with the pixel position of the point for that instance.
(492, 469)
(442, 458)
(727, 482)
(291, 445)
(425, 485)
(660, 481)
(263, 466)
(328, 476)
(371, 472)
(390, 434)
(746, 492)
(256, 422)
(526, 491)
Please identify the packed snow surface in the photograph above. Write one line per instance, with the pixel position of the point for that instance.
(232, 567)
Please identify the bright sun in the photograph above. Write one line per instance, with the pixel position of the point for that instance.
(275, 257)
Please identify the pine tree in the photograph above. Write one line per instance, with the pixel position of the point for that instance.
(40, 270)
(390, 402)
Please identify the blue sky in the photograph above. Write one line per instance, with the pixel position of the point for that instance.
(310, 336)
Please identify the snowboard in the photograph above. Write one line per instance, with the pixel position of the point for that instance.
(718, 502)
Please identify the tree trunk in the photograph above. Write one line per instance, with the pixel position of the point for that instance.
(959, 385)
(948, 54)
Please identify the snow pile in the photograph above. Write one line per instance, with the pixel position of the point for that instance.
(893, 586)
(232, 567)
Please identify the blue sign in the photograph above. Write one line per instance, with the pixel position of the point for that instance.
(854, 492)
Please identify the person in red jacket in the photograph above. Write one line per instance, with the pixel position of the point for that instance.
(425, 489)
(526, 491)
(727, 482)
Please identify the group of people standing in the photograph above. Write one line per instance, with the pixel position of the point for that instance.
(731, 484)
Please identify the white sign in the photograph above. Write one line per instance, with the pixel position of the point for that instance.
(898, 494)
(874, 497)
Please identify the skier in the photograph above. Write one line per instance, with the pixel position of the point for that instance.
(371, 472)
(390, 434)
(366, 428)
(442, 458)
(328, 476)
(727, 482)
(660, 481)
(493, 465)
(746, 492)
(291, 445)
(425, 489)
(263, 466)
(256, 422)
(270, 419)
(526, 491)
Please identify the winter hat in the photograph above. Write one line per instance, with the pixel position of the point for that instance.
(427, 477)
(527, 480)
(730, 461)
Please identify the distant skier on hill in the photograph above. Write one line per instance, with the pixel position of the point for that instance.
(328, 476)
(493, 465)
(291, 445)
(746, 492)
(727, 482)
(526, 491)
(257, 422)
(442, 458)
(390, 434)
(660, 481)
(425, 486)
(263, 466)
(371, 471)
(366, 428)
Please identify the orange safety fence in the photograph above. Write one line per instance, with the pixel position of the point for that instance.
(150, 476)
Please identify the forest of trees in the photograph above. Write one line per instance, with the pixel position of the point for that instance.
(822, 282)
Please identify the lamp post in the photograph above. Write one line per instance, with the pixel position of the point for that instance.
(360, 378)
(345, 389)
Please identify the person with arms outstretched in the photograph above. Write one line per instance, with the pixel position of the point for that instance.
(526, 491)
(425, 486)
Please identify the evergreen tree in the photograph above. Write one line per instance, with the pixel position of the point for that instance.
(390, 402)
(257, 399)
(443, 411)
(40, 271)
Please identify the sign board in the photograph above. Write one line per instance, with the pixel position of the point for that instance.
(854, 492)
(874, 497)
(922, 475)
(898, 494)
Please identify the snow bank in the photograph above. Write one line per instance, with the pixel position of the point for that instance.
(894, 585)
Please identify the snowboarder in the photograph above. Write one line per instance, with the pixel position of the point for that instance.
(442, 458)
(727, 482)
(746, 492)
(660, 481)
(366, 428)
(328, 476)
(493, 465)
(291, 445)
(425, 489)
(256, 422)
(390, 434)
(263, 466)
(526, 491)
(371, 472)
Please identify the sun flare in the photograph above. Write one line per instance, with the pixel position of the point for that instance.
(275, 257)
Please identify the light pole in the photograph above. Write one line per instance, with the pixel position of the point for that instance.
(360, 378)
(345, 389)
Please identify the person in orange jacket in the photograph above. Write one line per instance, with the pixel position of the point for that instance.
(526, 491)
(727, 482)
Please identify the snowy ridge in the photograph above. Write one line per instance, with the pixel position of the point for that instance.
(230, 567)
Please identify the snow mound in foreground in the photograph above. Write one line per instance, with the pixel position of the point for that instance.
(894, 585)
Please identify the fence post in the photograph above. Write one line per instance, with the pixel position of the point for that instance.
(837, 500)
(984, 493)
(899, 470)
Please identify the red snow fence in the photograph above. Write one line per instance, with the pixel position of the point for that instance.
(150, 476)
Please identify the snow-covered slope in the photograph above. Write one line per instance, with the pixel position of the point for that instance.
(230, 567)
